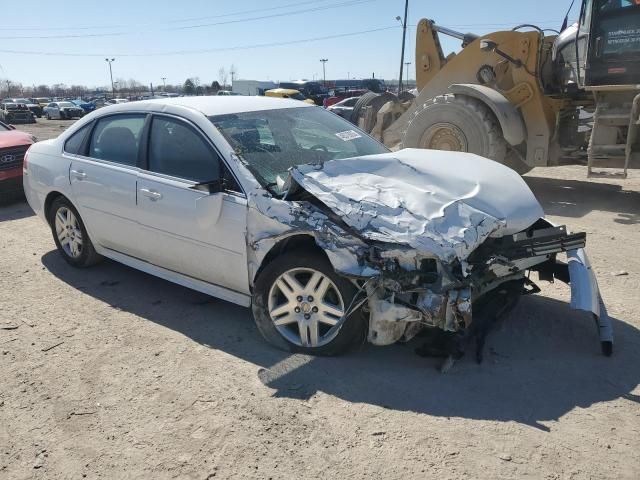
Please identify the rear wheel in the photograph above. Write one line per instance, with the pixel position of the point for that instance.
(70, 234)
(300, 304)
(48, 116)
(456, 123)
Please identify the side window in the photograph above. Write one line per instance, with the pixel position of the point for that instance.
(75, 141)
(116, 138)
(178, 150)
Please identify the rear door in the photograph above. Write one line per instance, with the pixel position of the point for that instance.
(103, 175)
(193, 232)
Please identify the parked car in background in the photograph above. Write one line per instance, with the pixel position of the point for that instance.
(13, 145)
(62, 110)
(115, 101)
(331, 238)
(35, 108)
(227, 93)
(344, 108)
(11, 112)
(42, 101)
(338, 94)
(288, 93)
(88, 107)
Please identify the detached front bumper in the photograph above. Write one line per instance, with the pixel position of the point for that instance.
(585, 295)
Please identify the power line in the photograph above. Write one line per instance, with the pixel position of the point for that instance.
(199, 51)
(188, 27)
(242, 12)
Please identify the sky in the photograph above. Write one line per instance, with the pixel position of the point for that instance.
(265, 40)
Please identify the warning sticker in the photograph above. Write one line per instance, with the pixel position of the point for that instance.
(348, 135)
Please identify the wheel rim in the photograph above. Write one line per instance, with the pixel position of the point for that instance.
(68, 232)
(306, 307)
(444, 136)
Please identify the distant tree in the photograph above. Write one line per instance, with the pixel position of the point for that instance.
(222, 76)
(189, 88)
(215, 86)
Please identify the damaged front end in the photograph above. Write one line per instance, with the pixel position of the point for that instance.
(427, 293)
(444, 243)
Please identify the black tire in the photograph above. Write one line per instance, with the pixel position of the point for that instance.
(406, 96)
(351, 333)
(48, 116)
(362, 101)
(63, 116)
(88, 255)
(459, 122)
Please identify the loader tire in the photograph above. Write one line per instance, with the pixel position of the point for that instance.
(362, 102)
(457, 123)
(376, 102)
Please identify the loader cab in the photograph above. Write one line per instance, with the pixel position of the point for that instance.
(608, 43)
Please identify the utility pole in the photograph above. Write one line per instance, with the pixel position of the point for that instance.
(164, 83)
(151, 85)
(404, 36)
(232, 72)
(8, 88)
(109, 61)
(324, 74)
(408, 76)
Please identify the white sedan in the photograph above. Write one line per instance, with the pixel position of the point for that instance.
(329, 236)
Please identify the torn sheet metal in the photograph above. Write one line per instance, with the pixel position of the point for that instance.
(441, 203)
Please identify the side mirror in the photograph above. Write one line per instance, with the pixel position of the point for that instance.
(487, 45)
(211, 186)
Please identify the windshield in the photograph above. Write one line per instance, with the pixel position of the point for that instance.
(13, 106)
(21, 100)
(65, 104)
(271, 142)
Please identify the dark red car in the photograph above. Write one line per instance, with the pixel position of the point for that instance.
(13, 146)
(340, 94)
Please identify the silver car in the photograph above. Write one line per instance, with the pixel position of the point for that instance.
(62, 110)
(332, 239)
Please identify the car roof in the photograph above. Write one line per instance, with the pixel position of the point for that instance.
(219, 105)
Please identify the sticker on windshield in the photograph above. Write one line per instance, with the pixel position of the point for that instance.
(348, 135)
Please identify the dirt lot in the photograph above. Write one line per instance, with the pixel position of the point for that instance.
(111, 373)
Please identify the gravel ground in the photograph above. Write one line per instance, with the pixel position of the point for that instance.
(112, 373)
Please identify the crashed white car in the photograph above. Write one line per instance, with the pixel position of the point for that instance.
(275, 204)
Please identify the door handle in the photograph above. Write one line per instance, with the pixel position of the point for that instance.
(79, 174)
(152, 194)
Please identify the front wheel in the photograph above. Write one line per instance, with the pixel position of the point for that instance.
(70, 234)
(300, 304)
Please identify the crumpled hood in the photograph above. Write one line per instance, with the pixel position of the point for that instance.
(440, 203)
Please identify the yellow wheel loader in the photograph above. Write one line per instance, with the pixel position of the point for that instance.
(523, 97)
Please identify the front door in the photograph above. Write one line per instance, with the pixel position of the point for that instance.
(193, 232)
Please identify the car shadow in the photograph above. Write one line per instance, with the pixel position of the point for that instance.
(540, 364)
(16, 210)
(576, 198)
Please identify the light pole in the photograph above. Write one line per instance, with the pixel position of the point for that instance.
(324, 75)
(408, 76)
(404, 35)
(113, 89)
(164, 83)
(109, 61)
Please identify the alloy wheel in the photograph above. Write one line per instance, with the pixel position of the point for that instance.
(68, 232)
(306, 307)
